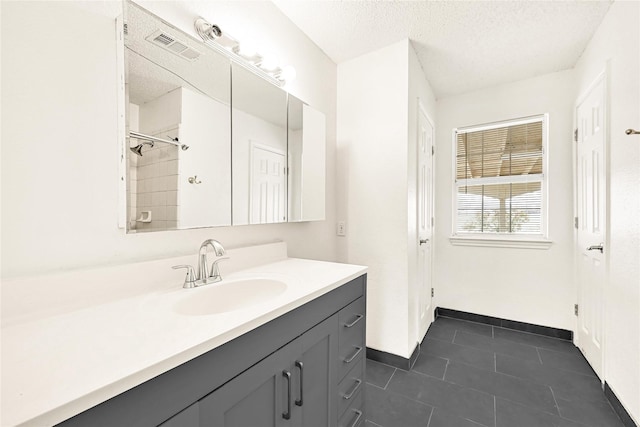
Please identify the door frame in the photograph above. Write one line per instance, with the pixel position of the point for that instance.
(422, 110)
(602, 77)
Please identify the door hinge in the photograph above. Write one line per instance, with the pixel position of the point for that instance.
(432, 292)
(575, 309)
(433, 150)
(575, 135)
(432, 221)
(575, 222)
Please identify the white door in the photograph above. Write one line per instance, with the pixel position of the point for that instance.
(268, 184)
(590, 204)
(425, 214)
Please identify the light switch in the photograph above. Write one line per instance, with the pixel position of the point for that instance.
(342, 228)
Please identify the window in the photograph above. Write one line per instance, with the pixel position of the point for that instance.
(500, 181)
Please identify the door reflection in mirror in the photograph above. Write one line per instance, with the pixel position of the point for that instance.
(259, 145)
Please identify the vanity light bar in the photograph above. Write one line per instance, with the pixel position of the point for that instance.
(144, 137)
(228, 46)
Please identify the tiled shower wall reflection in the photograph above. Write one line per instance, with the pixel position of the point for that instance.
(154, 186)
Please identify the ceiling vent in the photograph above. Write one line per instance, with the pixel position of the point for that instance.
(168, 42)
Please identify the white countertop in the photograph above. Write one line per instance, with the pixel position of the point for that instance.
(54, 367)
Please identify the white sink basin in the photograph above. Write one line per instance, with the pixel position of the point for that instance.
(223, 297)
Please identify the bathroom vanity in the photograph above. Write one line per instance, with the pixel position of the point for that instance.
(305, 367)
(278, 342)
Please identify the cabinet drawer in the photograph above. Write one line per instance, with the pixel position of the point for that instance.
(354, 415)
(352, 335)
(350, 386)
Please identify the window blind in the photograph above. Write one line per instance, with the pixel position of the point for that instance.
(499, 179)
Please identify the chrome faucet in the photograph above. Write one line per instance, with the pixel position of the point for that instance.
(194, 279)
(204, 276)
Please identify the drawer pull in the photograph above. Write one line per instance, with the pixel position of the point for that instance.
(353, 391)
(353, 356)
(287, 375)
(300, 366)
(358, 415)
(358, 318)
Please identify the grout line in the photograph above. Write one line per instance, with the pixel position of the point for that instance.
(433, 408)
(495, 412)
(539, 357)
(389, 380)
(555, 401)
(375, 424)
(455, 334)
(445, 369)
(495, 362)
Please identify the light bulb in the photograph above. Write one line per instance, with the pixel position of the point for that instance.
(288, 73)
(269, 62)
(247, 50)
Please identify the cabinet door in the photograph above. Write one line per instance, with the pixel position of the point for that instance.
(317, 374)
(259, 397)
(190, 417)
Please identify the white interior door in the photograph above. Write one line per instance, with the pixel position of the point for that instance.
(268, 184)
(425, 215)
(591, 203)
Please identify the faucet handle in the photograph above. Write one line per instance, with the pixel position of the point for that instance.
(215, 272)
(190, 278)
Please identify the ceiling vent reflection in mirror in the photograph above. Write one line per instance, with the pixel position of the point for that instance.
(168, 42)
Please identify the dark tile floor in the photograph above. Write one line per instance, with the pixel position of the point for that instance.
(470, 374)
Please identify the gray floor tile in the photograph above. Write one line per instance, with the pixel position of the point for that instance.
(466, 326)
(430, 365)
(571, 362)
(378, 373)
(511, 414)
(501, 385)
(441, 418)
(596, 414)
(498, 346)
(459, 401)
(441, 331)
(565, 384)
(391, 409)
(454, 352)
(534, 340)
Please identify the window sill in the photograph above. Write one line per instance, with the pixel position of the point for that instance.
(497, 242)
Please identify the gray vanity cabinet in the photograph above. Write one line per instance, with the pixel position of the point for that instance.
(307, 365)
(292, 387)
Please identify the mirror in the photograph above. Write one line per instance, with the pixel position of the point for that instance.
(178, 127)
(306, 161)
(259, 146)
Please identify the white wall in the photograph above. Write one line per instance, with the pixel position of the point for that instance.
(528, 285)
(59, 136)
(616, 43)
(376, 103)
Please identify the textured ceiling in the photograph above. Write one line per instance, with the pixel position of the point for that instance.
(462, 45)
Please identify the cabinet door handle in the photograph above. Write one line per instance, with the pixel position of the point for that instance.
(300, 366)
(353, 391)
(358, 415)
(358, 317)
(287, 375)
(353, 356)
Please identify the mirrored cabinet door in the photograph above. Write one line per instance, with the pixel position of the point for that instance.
(178, 132)
(259, 146)
(306, 161)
